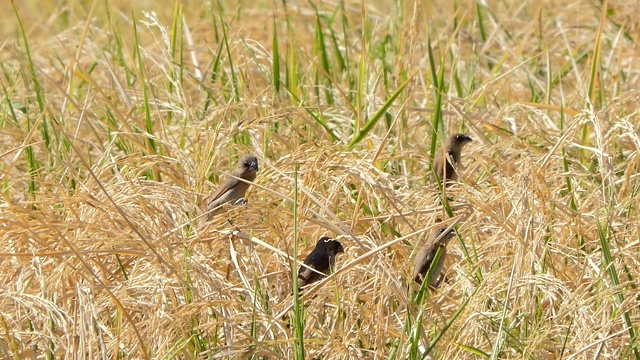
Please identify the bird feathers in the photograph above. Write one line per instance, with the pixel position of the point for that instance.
(232, 188)
(322, 259)
(449, 158)
(438, 239)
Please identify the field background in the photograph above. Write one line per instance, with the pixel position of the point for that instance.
(116, 119)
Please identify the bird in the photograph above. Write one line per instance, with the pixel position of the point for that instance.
(232, 190)
(438, 239)
(449, 158)
(322, 259)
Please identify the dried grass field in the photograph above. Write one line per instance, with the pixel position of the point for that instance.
(117, 119)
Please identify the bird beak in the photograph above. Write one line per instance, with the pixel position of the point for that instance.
(253, 166)
(449, 235)
(340, 249)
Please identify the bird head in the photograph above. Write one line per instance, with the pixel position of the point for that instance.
(249, 163)
(457, 141)
(444, 236)
(332, 245)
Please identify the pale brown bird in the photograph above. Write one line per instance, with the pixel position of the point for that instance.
(232, 190)
(449, 158)
(322, 259)
(438, 239)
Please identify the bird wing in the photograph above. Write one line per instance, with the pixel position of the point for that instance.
(438, 164)
(451, 170)
(437, 270)
(423, 262)
(316, 260)
(222, 190)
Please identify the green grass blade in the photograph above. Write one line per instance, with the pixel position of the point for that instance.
(148, 123)
(225, 39)
(275, 60)
(595, 60)
(298, 308)
(420, 301)
(173, 43)
(594, 71)
(604, 233)
(44, 127)
(474, 351)
(480, 17)
(292, 67)
(437, 127)
(449, 323)
(324, 57)
(377, 116)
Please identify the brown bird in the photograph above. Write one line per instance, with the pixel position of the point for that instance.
(449, 158)
(232, 189)
(322, 259)
(438, 239)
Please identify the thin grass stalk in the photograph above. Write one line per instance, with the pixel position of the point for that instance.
(456, 78)
(360, 91)
(326, 67)
(480, 17)
(340, 59)
(595, 61)
(377, 116)
(44, 127)
(225, 39)
(151, 174)
(474, 351)
(347, 62)
(10, 107)
(216, 67)
(604, 233)
(298, 306)
(314, 66)
(549, 88)
(216, 73)
(437, 114)
(275, 59)
(569, 182)
(32, 163)
(292, 67)
(420, 301)
(173, 44)
(448, 325)
(594, 70)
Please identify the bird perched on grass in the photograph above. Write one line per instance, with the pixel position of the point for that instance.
(232, 190)
(449, 158)
(438, 239)
(322, 259)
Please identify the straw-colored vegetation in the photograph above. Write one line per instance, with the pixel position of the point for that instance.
(116, 120)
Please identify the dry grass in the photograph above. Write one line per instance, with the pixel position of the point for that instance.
(112, 134)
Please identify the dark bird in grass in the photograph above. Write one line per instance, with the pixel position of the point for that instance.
(232, 190)
(438, 239)
(322, 259)
(448, 158)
